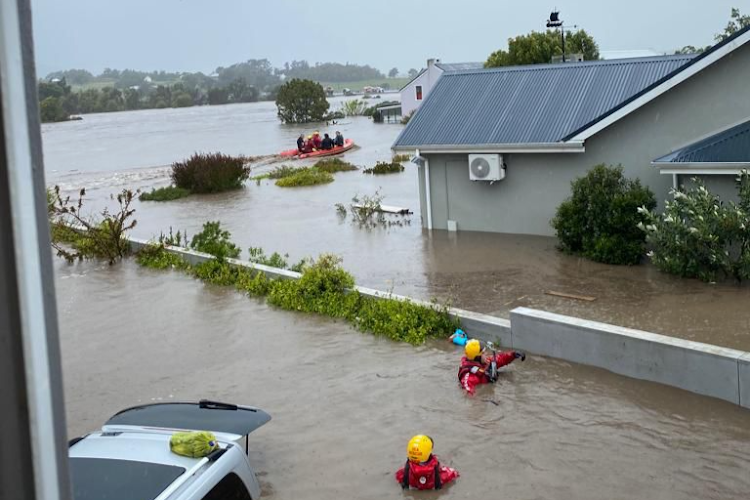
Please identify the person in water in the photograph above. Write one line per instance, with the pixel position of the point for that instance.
(475, 365)
(317, 141)
(339, 140)
(327, 143)
(422, 470)
(301, 143)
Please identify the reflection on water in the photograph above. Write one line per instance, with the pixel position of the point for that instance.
(344, 404)
(482, 272)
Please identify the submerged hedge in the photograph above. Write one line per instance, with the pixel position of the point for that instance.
(324, 288)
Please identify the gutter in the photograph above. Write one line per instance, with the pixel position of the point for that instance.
(701, 168)
(530, 148)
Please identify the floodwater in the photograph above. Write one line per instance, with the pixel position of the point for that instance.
(344, 404)
(488, 273)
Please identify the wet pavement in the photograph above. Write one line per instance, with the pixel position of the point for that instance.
(344, 404)
(488, 273)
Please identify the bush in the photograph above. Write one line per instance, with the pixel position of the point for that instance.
(334, 165)
(157, 257)
(210, 173)
(305, 177)
(699, 236)
(382, 168)
(283, 171)
(401, 158)
(600, 219)
(258, 256)
(406, 119)
(215, 241)
(168, 193)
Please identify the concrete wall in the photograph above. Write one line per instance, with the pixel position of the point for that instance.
(699, 368)
(536, 184)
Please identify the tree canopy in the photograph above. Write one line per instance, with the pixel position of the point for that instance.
(737, 22)
(541, 47)
(329, 72)
(301, 101)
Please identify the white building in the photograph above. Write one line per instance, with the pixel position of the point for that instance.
(414, 92)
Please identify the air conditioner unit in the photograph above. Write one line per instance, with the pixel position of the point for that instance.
(487, 167)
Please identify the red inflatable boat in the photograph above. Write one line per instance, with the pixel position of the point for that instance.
(293, 153)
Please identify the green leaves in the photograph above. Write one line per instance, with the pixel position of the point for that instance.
(600, 220)
(301, 101)
(700, 236)
(215, 241)
(541, 47)
(210, 173)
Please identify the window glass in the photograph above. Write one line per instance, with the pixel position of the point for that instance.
(229, 488)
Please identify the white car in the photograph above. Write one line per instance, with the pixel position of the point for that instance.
(130, 458)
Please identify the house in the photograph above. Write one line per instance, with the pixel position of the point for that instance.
(414, 92)
(537, 128)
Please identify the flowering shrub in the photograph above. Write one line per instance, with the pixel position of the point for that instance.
(700, 236)
(599, 221)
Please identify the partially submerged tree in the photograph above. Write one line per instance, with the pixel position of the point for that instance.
(301, 101)
(541, 47)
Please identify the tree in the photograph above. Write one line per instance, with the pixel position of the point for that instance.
(393, 73)
(690, 49)
(736, 23)
(51, 110)
(541, 47)
(240, 91)
(413, 73)
(301, 101)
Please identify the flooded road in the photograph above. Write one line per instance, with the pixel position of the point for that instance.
(488, 273)
(344, 404)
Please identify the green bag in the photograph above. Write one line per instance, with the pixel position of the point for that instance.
(193, 444)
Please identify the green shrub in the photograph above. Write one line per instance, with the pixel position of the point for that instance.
(215, 241)
(599, 221)
(157, 257)
(333, 165)
(400, 158)
(382, 168)
(404, 321)
(210, 173)
(258, 256)
(700, 236)
(305, 177)
(168, 193)
(283, 171)
(216, 272)
(255, 284)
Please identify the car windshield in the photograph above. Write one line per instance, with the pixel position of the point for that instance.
(100, 478)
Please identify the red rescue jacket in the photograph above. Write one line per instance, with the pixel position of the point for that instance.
(429, 475)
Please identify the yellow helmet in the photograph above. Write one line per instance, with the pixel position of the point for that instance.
(309, 137)
(419, 448)
(473, 349)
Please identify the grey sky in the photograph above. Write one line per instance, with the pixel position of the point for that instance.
(199, 35)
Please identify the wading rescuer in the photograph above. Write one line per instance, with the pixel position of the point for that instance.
(422, 470)
(477, 368)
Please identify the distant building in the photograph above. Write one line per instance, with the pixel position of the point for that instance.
(498, 148)
(628, 54)
(147, 79)
(414, 92)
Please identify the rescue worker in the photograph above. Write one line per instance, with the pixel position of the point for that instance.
(301, 143)
(475, 365)
(339, 140)
(309, 145)
(422, 469)
(317, 140)
(327, 143)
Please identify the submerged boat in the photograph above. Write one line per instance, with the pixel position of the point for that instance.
(293, 153)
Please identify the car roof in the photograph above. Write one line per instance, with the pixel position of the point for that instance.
(204, 415)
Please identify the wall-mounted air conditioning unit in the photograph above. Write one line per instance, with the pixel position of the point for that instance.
(486, 167)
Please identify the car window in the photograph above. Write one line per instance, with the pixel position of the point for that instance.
(229, 488)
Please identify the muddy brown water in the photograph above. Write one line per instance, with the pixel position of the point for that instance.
(344, 404)
(488, 273)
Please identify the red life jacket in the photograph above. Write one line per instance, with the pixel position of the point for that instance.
(467, 365)
(422, 476)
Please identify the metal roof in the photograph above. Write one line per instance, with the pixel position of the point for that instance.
(466, 66)
(730, 146)
(535, 104)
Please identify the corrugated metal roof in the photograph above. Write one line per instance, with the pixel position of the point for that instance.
(730, 146)
(529, 104)
(467, 66)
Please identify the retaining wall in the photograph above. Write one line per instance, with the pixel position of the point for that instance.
(700, 368)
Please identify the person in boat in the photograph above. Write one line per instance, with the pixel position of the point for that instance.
(339, 140)
(423, 470)
(317, 141)
(327, 142)
(475, 365)
(301, 143)
(309, 145)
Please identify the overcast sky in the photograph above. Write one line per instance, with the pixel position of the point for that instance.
(200, 35)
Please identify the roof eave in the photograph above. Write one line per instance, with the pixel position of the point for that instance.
(529, 148)
(682, 74)
(700, 168)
